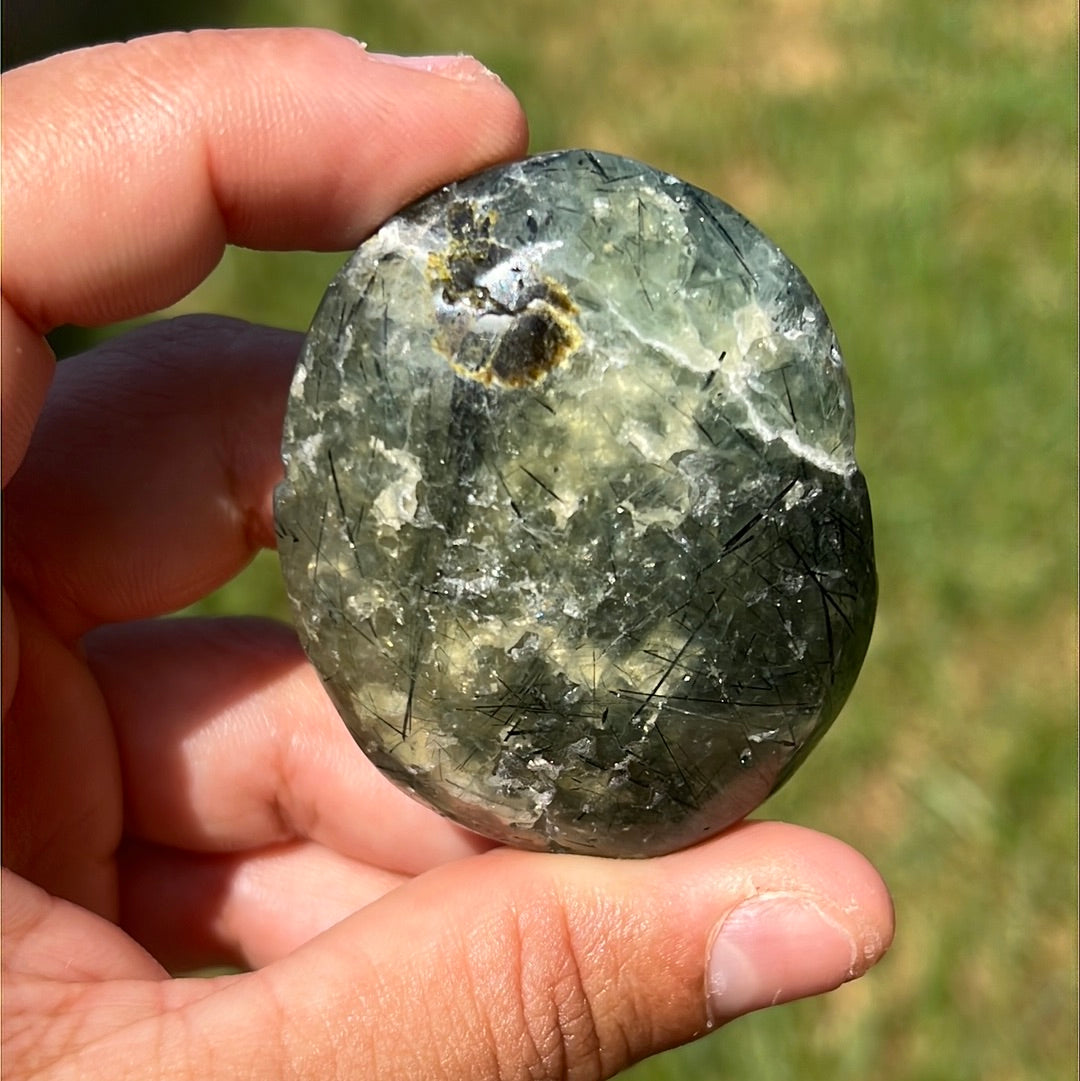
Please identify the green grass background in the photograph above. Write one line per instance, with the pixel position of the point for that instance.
(917, 158)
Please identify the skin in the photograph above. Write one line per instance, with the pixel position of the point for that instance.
(181, 793)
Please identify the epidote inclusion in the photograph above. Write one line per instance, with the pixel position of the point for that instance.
(571, 522)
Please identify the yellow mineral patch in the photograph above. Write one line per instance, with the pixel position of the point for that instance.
(536, 340)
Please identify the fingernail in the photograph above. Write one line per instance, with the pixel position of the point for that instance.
(465, 69)
(775, 948)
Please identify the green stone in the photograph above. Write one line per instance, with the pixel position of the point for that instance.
(571, 520)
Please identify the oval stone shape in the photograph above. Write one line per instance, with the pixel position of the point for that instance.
(571, 521)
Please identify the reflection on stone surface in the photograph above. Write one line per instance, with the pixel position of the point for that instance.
(571, 520)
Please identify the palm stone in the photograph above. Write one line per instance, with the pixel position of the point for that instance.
(571, 521)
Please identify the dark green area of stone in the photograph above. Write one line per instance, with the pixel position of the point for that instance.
(571, 521)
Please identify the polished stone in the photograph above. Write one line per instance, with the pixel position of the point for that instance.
(571, 520)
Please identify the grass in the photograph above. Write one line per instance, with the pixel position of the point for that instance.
(917, 159)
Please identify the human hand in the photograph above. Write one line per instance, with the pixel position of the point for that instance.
(181, 793)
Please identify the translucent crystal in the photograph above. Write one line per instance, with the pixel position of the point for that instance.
(571, 520)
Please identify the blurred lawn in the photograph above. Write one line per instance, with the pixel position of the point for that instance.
(917, 159)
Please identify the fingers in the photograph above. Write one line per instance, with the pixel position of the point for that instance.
(228, 742)
(150, 474)
(518, 964)
(128, 167)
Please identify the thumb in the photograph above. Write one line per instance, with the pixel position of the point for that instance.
(519, 964)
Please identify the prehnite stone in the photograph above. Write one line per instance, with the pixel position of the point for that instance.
(571, 520)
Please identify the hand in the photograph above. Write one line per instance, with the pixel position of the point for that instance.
(181, 793)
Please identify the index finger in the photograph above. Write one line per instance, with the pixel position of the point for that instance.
(127, 168)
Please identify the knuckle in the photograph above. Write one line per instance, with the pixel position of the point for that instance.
(560, 1011)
